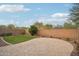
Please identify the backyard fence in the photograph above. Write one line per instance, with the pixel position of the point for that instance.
(60, 33)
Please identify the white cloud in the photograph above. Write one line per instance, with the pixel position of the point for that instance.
(57, 18)
(13, 8)
(52, 21)
(60, 15)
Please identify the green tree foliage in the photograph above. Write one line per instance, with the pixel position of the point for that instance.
(58, 26)
(11, 26)
(49, 26)
(3, 26)
(33, 30)
(69, 25)
(74, 14)
(38, 24)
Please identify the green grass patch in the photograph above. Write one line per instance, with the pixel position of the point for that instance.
(18, 38)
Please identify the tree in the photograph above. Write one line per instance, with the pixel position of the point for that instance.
(33, 30)
(74, 14)
(49, 26)
(58, 26)
(3, 26)
(11, 26)
(38, 24)
(69, 25)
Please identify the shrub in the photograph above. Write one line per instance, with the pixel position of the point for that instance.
(6, 34)
(33, 30)
(68, 39)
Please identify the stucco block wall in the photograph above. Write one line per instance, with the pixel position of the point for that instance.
(60, 33)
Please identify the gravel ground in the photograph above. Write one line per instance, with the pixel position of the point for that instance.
(38, 47)
(2, 43)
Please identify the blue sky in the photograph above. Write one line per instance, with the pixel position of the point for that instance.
(29, 13)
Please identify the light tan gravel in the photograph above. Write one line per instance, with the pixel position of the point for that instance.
(38, 47)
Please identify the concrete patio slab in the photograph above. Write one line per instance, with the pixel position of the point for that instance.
(38, 47)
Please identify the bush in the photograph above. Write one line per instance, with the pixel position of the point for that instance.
(33, 30)
(68, 39)
(6, 34)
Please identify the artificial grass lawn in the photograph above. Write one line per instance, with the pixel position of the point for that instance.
(18, 38)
